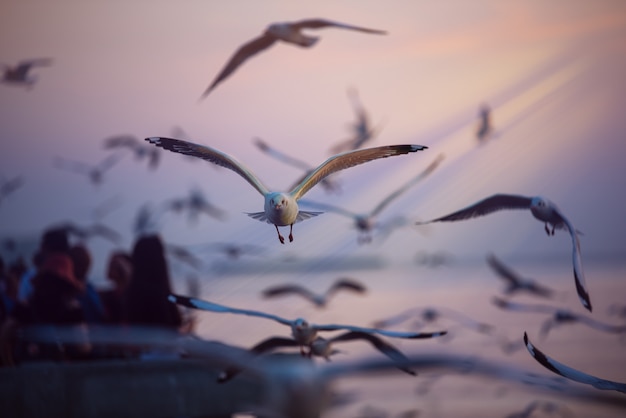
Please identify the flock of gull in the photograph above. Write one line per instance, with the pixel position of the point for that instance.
(282, 209)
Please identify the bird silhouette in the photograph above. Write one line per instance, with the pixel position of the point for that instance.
(20, 74)
(320, 300)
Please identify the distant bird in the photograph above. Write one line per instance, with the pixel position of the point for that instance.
(234, 250)
(365, 223)
(431, 314)
(183, 255)
(542, 209)
(195, 204)
(142, 151)
(559, 316)
(96, 229)
(319, 300)
(328, 183)
(485, 128)
(516, 283)
(571, 373)
(301, 330)
(9, 186)
(433, 259)
(95, 173)
(550, 408)
(281, 209)
(322, 347)
(362, 131)
(146, 220)
(290, 32)
(20, 73)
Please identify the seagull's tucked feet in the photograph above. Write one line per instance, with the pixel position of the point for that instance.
(280, 237)
(291, 233)
(545, 226)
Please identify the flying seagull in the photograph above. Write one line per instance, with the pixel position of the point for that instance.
(95, 173)
(301, 330)
(290, 32)
(365, 223)
(362, 131)
(542, 209)
(131, 142)
(330, 185)
(281, 209)
(569, 372)
(8, 187)
(322, 347)
(559, 316)
(84, 233)
(194, 204)
(485, 128)
(320, 300)
(516, 283)
(20, 73)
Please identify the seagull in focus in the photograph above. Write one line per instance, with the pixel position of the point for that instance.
(281, 209)
(516, 283)
(95, 173)
(9, 186)
(319, 300)
(543, 210)
(559, 316)
(142, 151)
(20, 73)
(289, 32)
(362, 131)
(329, 185)
(322, 347)
(194, 204)
(571, 373)
(431, 314)
(303, 332)
(365, 223)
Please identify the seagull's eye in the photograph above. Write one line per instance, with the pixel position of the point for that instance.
(283, 202)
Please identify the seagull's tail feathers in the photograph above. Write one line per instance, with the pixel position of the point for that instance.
(304, 215)
(259, 216)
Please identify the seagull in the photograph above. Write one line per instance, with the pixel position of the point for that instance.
(365, 223)
(431, 314)
(570, 373)
(289, 32)
(330, 185)
(281, 209)
(320, 300)
(183, 255)
(195, 203)
(484, 128)
(516, 283)
(19, 74)
(301, 330)
(146, 220)
(559, 316)
(542, 209)
(135, 145)
(95, 173)
(234, 250)
(8, 187)
(362, 131)
(322, 347)
(97, 229)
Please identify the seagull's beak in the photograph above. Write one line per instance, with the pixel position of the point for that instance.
(277, 206)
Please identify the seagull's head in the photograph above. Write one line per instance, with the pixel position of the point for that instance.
(541, 208)
(278, 201)
(300, 324)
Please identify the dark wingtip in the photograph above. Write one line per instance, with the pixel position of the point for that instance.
(582, 293)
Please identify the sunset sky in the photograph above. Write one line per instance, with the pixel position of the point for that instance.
(551, 72)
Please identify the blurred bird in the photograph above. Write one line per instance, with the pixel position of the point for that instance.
(365, 223)
(433, 259)
(319, 300)
(85, 233)
(559, 316)
(362, 131)
(543, 210)
(142, 151)
(195, 204)
(550, 408)
(234, 250)
(431, 314)
(301, 330)
(20, 73)
(571, 373)
(322, 347)
(516, 283)
(485, 129)
(290, 32)
(9, 186)
(146, 220)
(281, 209)
(183, 255)
(328, 183)
(95, 173)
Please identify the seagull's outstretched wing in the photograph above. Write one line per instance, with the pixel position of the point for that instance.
(214, 307)
(323, 23)
(521, 307)
(486, 206)
(212, 155)
(346, 283)
(286, 289)
(242, 54)
(24, 66)
(571, 373)
(397, 319)
(394, 334)
(503, 271)
(384, 347)
(330, 208)
(579, 277)
(431, 167)
(350, 159)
